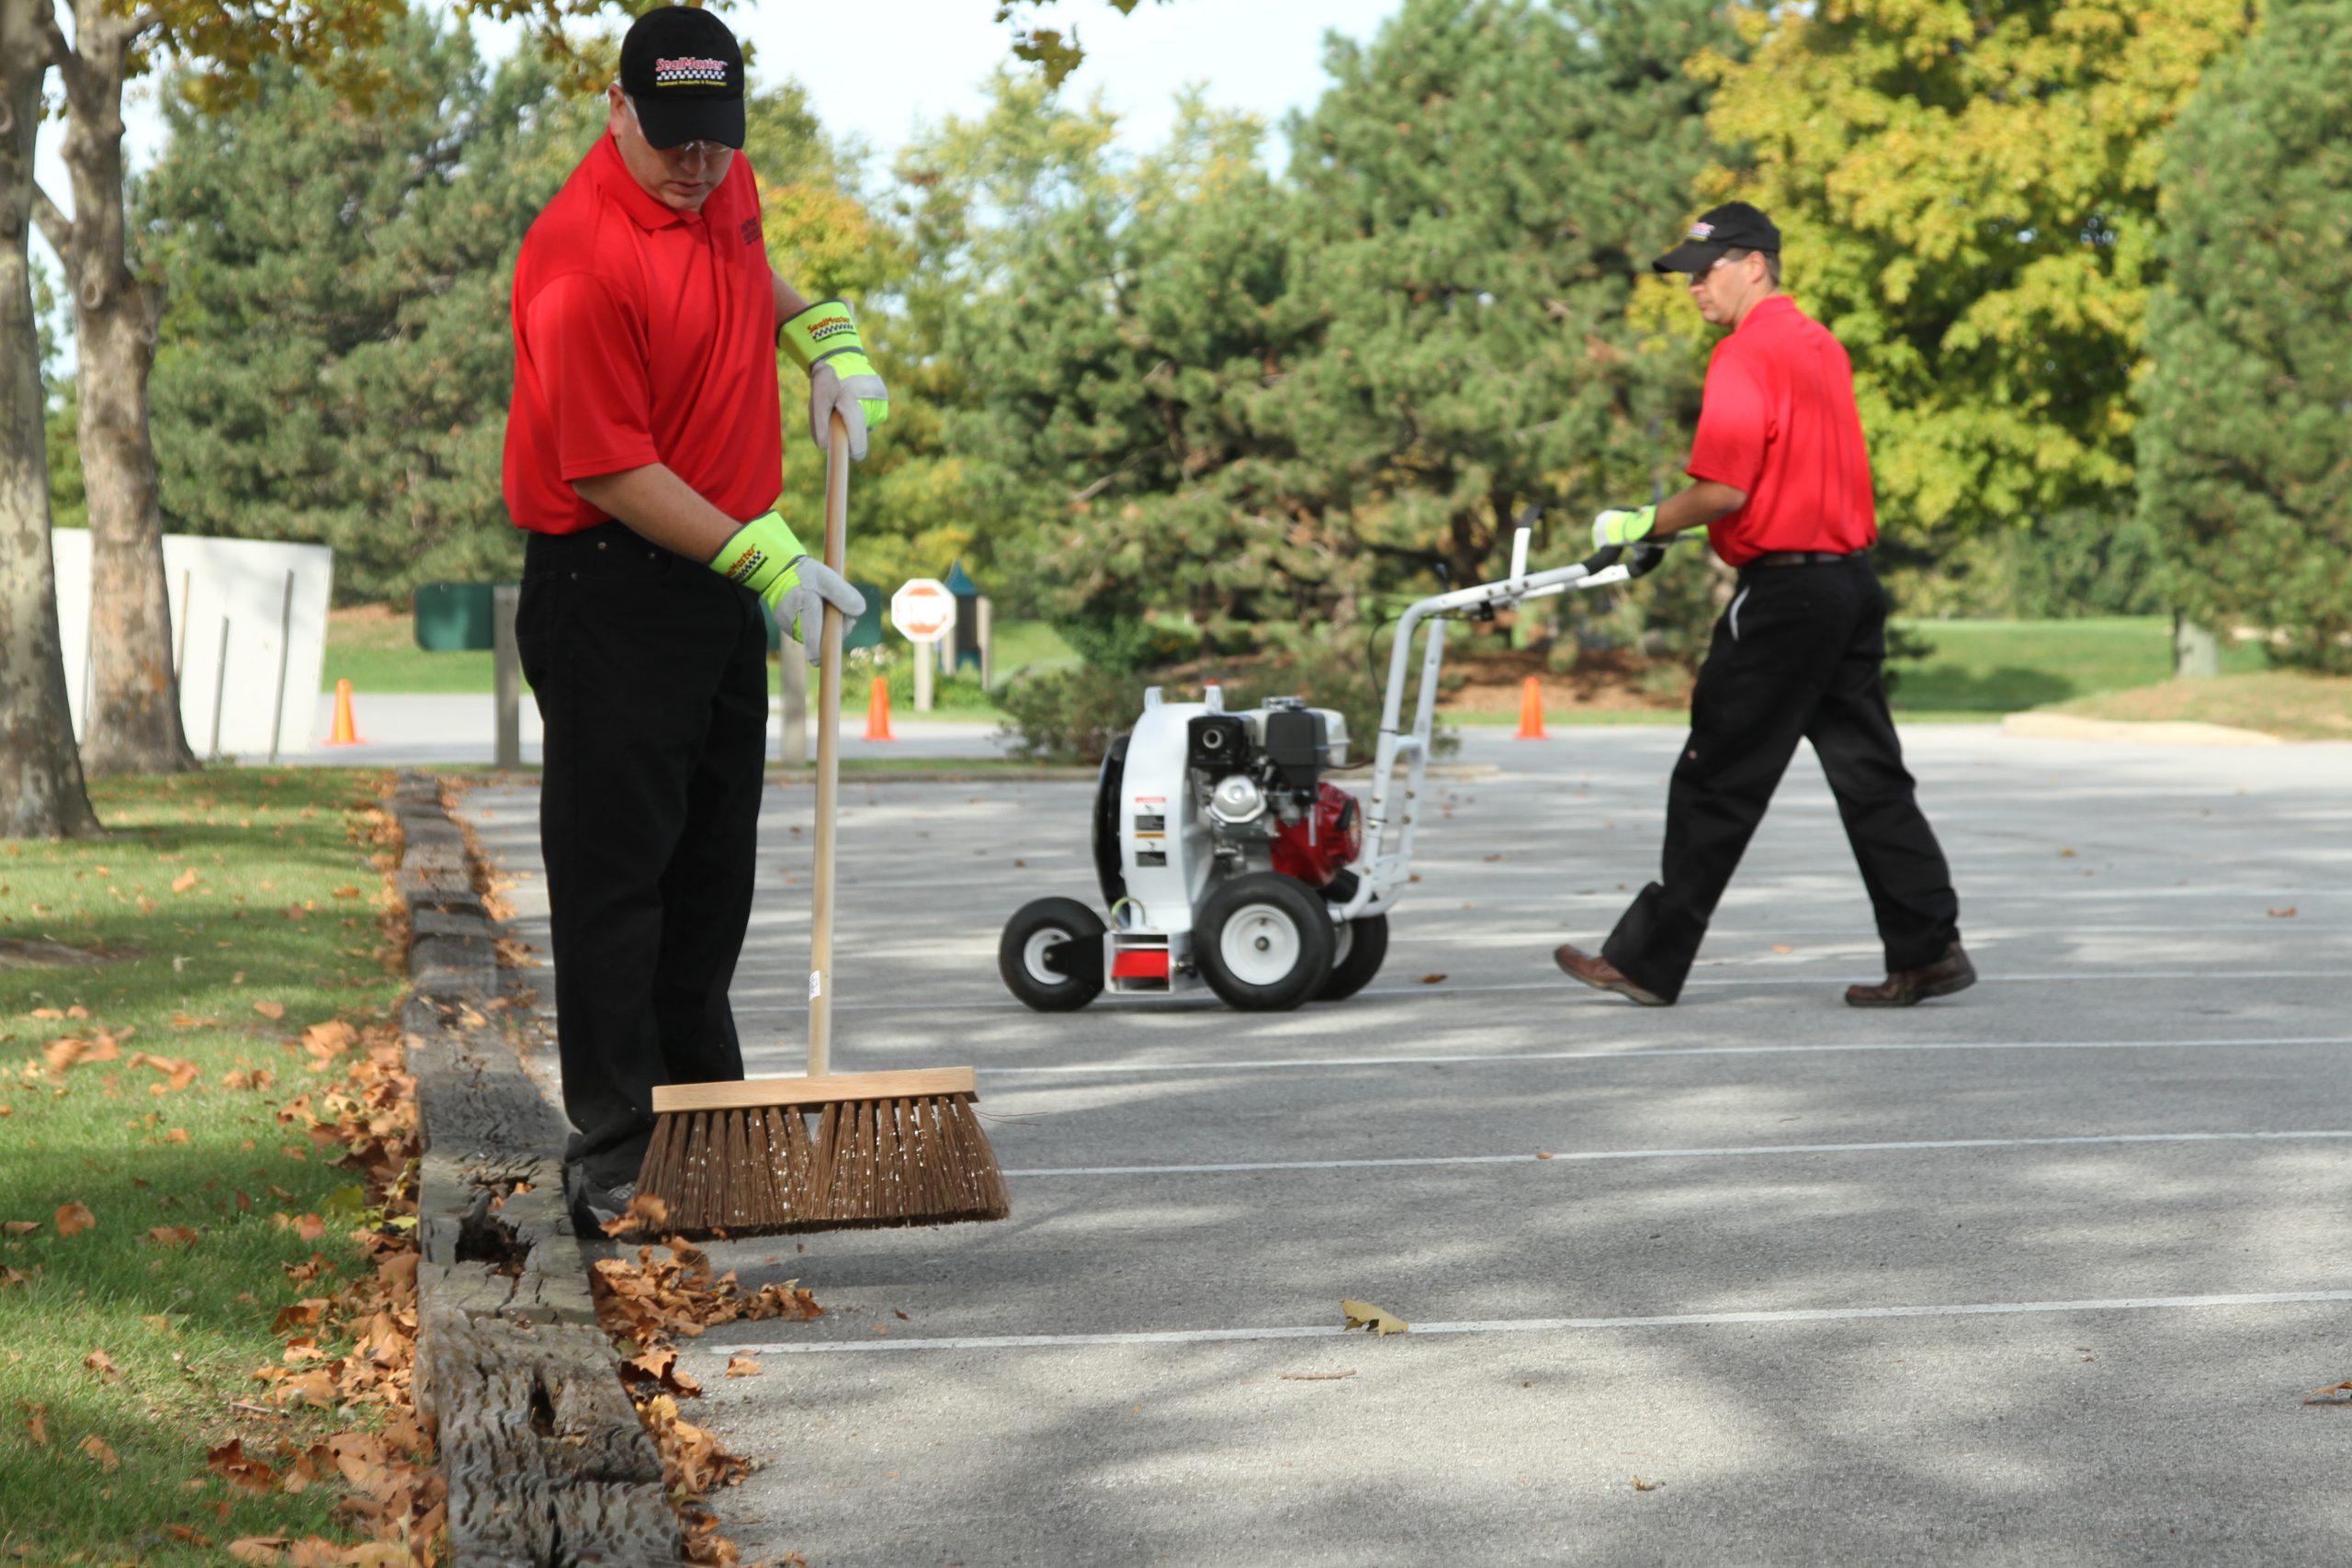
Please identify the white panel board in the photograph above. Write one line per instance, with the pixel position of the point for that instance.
(238, 607)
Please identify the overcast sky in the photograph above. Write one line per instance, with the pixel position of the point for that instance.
(891, 65)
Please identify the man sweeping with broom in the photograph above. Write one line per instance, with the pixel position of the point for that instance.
(644, 456)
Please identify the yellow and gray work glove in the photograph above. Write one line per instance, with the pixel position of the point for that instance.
(765, 557)
(1621, 527)
(823, 340)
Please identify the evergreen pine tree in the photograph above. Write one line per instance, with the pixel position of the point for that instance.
(2248, 391)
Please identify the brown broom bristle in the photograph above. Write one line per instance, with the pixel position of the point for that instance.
(871, 1164)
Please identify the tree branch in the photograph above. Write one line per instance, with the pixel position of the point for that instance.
(55, 227)
(67, 63)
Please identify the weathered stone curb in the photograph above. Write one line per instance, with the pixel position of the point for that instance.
(545, 1459)
(2073, 726)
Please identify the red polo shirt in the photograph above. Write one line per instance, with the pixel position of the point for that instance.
(643, 335)
(1778, 421)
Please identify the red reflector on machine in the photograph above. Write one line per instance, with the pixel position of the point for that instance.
(1140, 964)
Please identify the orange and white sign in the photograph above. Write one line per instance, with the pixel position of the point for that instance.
(923, 610)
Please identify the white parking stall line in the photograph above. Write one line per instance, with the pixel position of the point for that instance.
(1469, 1058)
(1748, 1151)
(1566, 988)
(1527, 1325)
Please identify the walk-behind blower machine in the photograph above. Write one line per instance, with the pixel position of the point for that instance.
(1227, 856)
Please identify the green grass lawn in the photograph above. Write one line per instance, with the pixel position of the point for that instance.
(2279, 702)
(1976, 670)
(217, 899)
(1996, 667)
(375, 649)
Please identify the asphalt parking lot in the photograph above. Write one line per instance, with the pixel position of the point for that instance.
(2039, 1273)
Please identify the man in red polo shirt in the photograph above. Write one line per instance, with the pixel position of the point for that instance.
(644, 454)
(1783, 485)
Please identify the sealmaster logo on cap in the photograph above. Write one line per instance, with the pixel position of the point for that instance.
(1701, 231)
(687, 71)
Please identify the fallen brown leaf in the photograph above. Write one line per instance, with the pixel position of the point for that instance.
(104, 1457)
(2339, 1395)
(73, 1219)
(660, 1368)
(1433, 979)
(181, 883)
(1783, 947)
(647, 1211)
(36, 1423)
(172, 1236)
(1641, 1486)
(270, 1011)
(743, 1367)
(1364, 1315)
(2286, 914)
(103, 1364)
(19, 1227)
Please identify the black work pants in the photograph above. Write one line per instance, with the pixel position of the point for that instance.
(651, 674)
(1799, 652)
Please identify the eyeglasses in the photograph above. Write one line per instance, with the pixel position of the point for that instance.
(685, 151)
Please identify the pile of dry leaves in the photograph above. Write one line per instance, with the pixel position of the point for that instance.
(393, 1495)
(647, 1304)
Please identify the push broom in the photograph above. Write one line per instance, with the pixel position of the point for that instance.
(899, 1148)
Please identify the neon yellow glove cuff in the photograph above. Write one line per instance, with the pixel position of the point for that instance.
(760, 556)
(1628, 527)
(821, 332)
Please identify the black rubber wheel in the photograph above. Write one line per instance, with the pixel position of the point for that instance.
(1046, 930)
(1359, 948)
(1263, 943)
(1110, 871)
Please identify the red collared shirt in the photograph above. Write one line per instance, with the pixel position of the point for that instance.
(1778, 421)
(642, 335)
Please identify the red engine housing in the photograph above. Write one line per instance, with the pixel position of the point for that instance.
(1320, 847)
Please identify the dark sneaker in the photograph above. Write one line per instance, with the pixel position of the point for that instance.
(1908, 987)
(594, 1205)
(1602, 976)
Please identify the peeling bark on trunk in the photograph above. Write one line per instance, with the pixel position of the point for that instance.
(133, 726)
(41, 792)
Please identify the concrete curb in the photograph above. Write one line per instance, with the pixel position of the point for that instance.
(2073, 727)
(543, 1457)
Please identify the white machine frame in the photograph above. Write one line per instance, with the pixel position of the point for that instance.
(1381, 873)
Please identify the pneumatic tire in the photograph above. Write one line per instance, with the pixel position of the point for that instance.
(1035, 929)
(1360, 946)
(1263, 943)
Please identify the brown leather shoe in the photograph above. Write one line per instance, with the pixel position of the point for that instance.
(1602, 976)
(1904, 988)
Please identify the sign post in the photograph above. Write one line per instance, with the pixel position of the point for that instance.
(924, 612)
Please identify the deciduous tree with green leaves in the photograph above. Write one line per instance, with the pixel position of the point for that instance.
(1968, 195)
(334, 365)
(2243, 468)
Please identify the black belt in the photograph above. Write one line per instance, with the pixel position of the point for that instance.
(1809, 557)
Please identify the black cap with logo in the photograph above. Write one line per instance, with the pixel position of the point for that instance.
(1734, 226)
(683, 71)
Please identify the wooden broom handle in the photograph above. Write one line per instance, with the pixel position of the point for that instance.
(829, 724)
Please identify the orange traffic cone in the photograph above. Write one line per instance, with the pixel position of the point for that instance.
(344, 733)
(877, 713)
(1531, 711)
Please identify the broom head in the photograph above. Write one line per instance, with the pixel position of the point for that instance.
(763, 1156)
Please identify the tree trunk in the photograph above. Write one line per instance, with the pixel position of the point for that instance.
(133, 725)
(41, 793)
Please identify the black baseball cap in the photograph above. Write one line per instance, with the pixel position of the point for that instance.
(1734, 226)
(683, 71)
